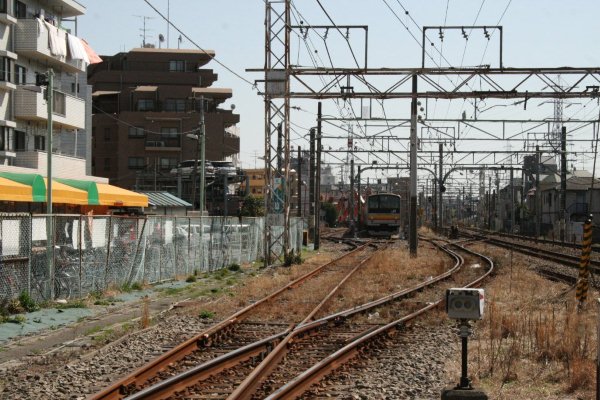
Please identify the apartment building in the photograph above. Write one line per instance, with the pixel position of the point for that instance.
(35, 36)
(147, 104)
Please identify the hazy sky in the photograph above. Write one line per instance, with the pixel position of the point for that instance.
(536, 33)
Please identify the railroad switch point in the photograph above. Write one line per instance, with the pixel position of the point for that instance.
(463, 394)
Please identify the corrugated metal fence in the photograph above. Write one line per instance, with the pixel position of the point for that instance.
(93, 253)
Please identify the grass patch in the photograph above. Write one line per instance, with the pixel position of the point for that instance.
(191, 279)
(205, 314)
(234, 267)
(71, 304)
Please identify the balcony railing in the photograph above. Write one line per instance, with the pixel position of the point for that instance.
(69, 111)
(32, 42)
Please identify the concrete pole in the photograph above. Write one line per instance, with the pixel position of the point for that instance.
(359, 197)
(49, 220)
(202, 140)
(412, 225)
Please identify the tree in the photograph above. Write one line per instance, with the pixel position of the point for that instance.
(253, 207)
(330, 213)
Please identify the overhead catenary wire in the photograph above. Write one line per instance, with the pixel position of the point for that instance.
(214, 58)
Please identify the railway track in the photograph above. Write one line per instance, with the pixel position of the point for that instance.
(264, 369)
(232, 331)
(549, 255)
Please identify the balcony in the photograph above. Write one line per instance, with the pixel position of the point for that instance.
(32, 42)
(69, 111)
(159, 145)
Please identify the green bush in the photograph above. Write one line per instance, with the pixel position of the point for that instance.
(191, 279)
(27, 302)
(234, 267)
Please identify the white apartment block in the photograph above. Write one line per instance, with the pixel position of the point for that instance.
(33, 39)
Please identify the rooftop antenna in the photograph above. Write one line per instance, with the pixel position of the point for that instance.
(143, 29)
(161, 39)
(179, 41)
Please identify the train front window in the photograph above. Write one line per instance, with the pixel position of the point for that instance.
(384, 204)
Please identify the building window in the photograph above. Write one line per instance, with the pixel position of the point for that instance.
(169, 133)
(145, 105)
(5, 69)
(177, 105)
(39, 142)
(177, 66)
(20, 75)
(4, 145)
(136, 162)
(20, 9)
(136, 132)
(59, 105)
(168, 163)
(4, 6)
(19, 140)
(107, 164)
(107, 134)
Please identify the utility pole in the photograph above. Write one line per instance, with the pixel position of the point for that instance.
(318, 181)
(49, 219)
(311, 187)
(435, 208)
(441, 185)
(538, 195)
(202, 144)
(489, 203)
(412, 224)
(563, 183)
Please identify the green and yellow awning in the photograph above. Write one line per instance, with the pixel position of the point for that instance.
(32, 188)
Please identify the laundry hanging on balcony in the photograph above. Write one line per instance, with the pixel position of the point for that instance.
(92, 55)
(56, 40)
(76, 49)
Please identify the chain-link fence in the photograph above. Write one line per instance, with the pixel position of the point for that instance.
(93, 253)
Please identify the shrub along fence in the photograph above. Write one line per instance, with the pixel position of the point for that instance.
(93, 253)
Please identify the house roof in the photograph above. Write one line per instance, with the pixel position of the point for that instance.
(165, 199)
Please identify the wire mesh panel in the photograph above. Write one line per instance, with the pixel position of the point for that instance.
(93, 253)
(15, 247)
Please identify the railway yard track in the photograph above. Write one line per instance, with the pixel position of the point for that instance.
(292, 354)
(306, 339)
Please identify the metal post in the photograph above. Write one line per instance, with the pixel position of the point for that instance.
(512, 200)
(563, 183)
(412, 225)
(49, 220)
(351, 200)
(441, 185)
(538, 194)
(435, 208)
(202, 144)
(359, 199)
(299, 177)
(225, 195)
(318, 181)
(489, 204)
(464, 334)
(311, 186)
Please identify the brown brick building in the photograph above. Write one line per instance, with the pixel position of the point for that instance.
(144, 103)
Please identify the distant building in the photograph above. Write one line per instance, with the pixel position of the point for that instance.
(147, 104)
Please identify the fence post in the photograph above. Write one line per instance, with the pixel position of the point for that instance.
(586, 249)
(79, 228)
(30, 251)
(108, 250)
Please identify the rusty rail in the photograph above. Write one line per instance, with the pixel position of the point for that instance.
(203, 339)
(298, 385)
